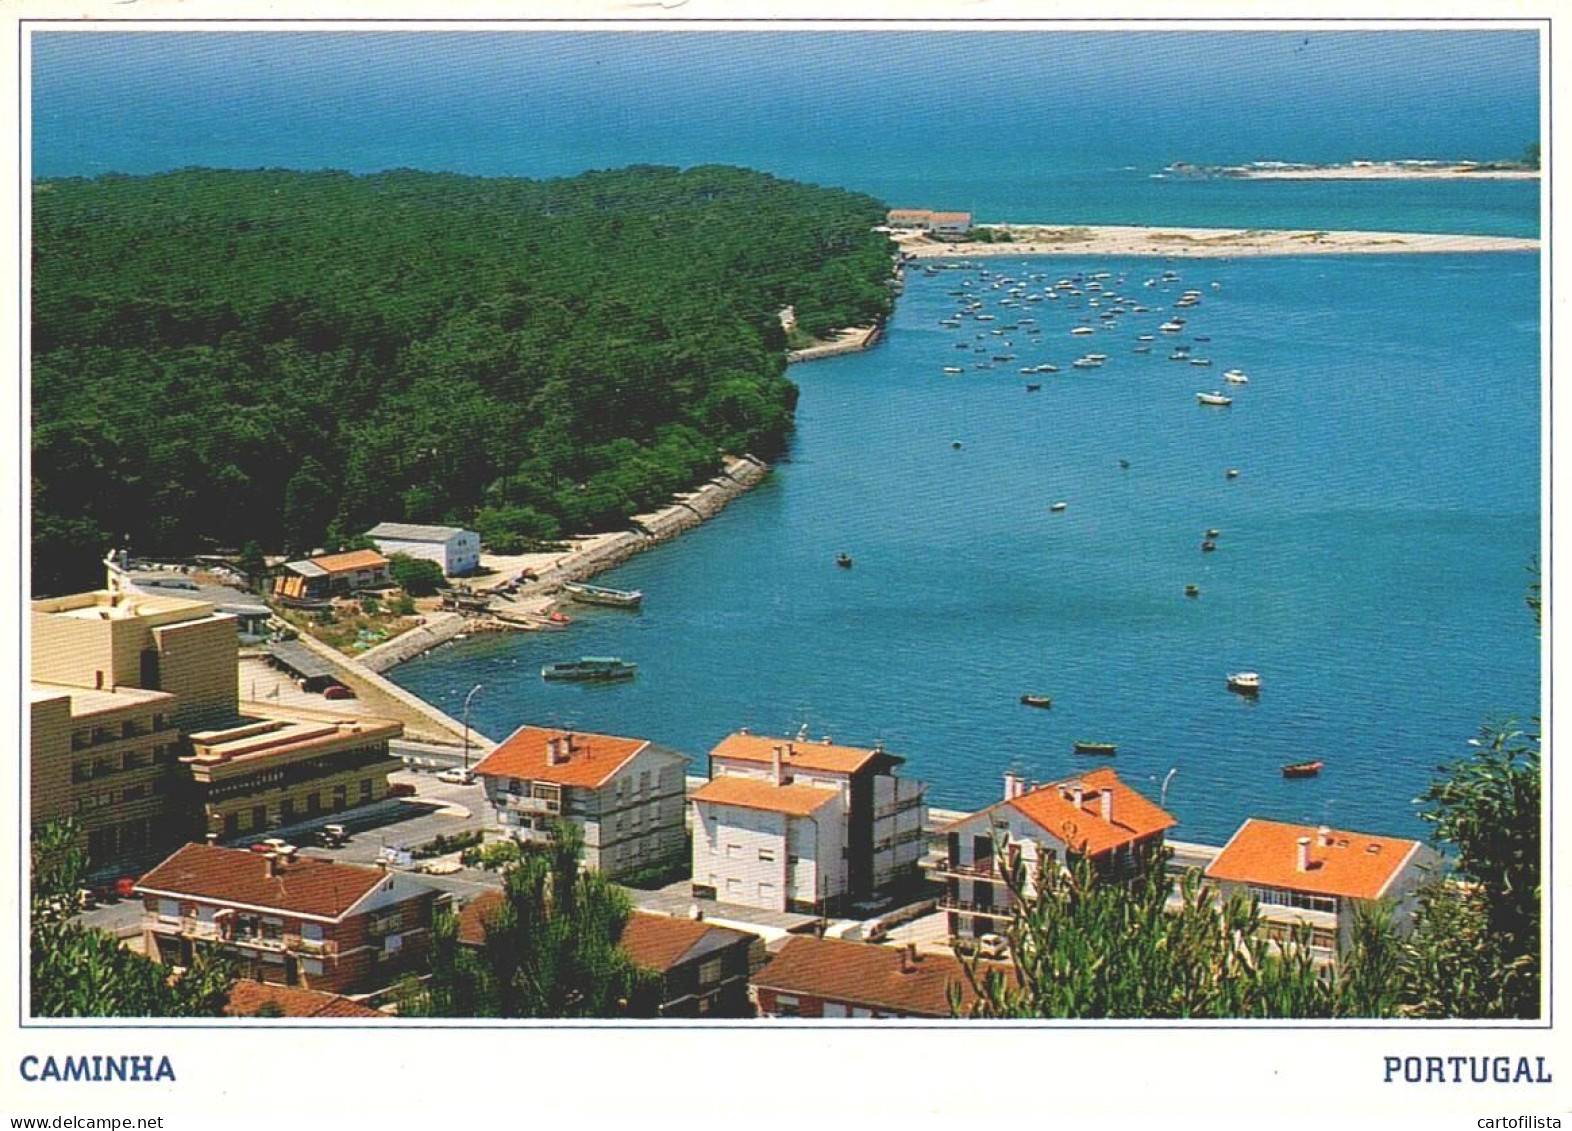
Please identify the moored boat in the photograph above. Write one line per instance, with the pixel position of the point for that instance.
(1245, 683)
(1236, 377)
(1058, 507)
(844, 561)
(589, 669)
(1036, 701)
(1302, 769)
(601, 595)
(1192, 590)
(1099, 749)
(1214, 399)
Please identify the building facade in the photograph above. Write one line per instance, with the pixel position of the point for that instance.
(1319, 877)
(627, 795)
(109, 761)
(883, 814)
(771, 844)
(456, 551)
(329, 575)
(304, 922)
(276, 768)
(1095, 816)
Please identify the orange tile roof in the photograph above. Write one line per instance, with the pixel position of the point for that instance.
(1354, 865)
(868, 975)
(593, 758)
(350, 561)
(799, 755)
(308, 886)
(246, 997)
(950, 217)
(754, 793)
(655, 942)
(1083, 827)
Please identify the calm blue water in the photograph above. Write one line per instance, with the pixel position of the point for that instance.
(1372, 561)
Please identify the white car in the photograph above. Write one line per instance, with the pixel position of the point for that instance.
(453, 775)
(992, 946)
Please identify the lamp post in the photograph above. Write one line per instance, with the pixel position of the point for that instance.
(467, 699)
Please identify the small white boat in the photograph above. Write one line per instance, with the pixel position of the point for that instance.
(1171, 327)
(1236, 377)
(1200, 361)
(953, 369)
(1214, 399)
(1086, 363)
(1058, 507)
(1083, 330)
(1245, 683)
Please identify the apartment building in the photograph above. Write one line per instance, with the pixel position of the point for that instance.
(1094, 815)
(1319, 877)
(274, 768)
(770, 843)
(627, 795)
(883, 815)
(288, 920)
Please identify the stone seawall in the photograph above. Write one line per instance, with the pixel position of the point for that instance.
(438, 629)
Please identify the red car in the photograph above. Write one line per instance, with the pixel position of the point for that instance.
(401, 789)
(337, 691)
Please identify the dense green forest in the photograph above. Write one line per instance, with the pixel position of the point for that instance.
(284, 357)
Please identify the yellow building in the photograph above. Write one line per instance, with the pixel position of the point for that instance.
(279, 767)
(113, 639)
(107, 759)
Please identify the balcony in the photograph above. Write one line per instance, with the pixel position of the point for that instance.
(968, 907)
(944, 866)
(313, 946)
(258, 942)
(535, 805)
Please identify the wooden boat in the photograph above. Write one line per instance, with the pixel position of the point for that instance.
(1212, 532)
(1100, 749)
(1192, 590)
(589, 669)
(1036, 701)
(601, 595)
(1302, 769)
(1208, 546)
(1214, 399)
(843, 560)
(1033, 388)
(1058, 508)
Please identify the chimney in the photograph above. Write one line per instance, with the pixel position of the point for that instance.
(909, 958)
(695, 912)
(1323, 837)
(1108, 803)
(1077, 794)
(1303, 861)
(1011, 786)
(553, 751)
(275, 864)
(777, 767)
(212, 838)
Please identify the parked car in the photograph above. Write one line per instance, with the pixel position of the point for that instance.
(992, 946)
(401, 789)
(455, 775)
(333, 836)
(337, 691)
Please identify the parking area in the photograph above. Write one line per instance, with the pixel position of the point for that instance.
(930, 932)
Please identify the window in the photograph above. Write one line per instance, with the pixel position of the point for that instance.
(168, 909)
(733, 851)
(835, 1009)
(767, 892)
(311, 932)
(311, 966)
(711, 972)
(393, 944)
(786, 1005)
(794, 859)
(767, 855)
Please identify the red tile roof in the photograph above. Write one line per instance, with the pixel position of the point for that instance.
(655, 942)
(950, 217)
(311, 887)
(868, 975)
(590, 758)
(1353, 865)
(1052, 807)
(247, 997)
(798, 755)
(350, 562)
(754, 793)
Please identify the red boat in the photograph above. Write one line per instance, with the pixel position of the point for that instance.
(1302, 769)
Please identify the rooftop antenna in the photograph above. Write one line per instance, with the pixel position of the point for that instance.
(1164, 794)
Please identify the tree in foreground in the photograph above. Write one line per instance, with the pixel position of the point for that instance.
(419, 577)
(1476, 950)
(84, 972)
(1086, 946)
(551, 948)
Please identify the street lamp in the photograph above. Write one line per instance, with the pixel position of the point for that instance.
(467, 698)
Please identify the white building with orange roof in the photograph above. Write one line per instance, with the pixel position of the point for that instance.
(770, 842)
(1095, 815)
(627, 795)
(882, 814)
(1319, 877)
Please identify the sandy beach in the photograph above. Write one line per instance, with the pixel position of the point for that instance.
(1388, 173)
(1202, 243)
